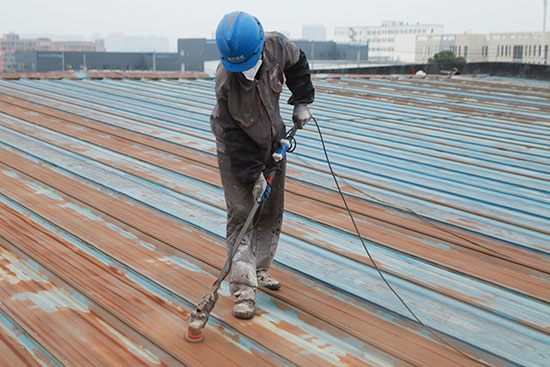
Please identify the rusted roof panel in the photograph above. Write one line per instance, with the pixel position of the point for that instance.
(112, 224)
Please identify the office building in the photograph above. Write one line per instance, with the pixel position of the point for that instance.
(393, 41)
(524, 47)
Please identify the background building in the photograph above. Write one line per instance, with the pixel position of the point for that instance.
(518, 47)
(393, 41)
(11, 44)
(524, 47)
(321, 54)
(201, 54)
(44, 61)
(193, 52)
(314, 32)
(473, 47)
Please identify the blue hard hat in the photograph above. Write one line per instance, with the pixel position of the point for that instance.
(240, 38)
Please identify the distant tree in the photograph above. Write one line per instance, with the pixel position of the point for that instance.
(446, 57)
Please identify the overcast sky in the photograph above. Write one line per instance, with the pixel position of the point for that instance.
(183, 18)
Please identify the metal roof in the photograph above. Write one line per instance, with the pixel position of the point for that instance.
(112, 225)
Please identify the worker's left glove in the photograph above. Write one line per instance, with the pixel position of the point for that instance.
(259, 187)
(301, 115)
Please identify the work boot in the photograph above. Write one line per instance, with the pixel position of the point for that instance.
(265, 280)
(243, 308)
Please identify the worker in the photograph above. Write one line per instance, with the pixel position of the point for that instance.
(248, 126)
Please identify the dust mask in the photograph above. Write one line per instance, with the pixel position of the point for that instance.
(251, 73)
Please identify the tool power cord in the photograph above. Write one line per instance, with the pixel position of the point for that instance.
(433, 332)
(424, 219)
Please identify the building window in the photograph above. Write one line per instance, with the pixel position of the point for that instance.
(465, 51)
(518, 52)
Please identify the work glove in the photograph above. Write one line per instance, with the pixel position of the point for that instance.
(259, 187)
(301, 115)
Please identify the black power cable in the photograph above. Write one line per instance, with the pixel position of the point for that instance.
(433, 332)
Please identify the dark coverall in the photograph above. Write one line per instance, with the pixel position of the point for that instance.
(247, 124)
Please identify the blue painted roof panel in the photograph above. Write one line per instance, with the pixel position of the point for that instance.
(118, 172)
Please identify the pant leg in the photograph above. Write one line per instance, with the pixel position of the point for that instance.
(239, 202)
(268, 228)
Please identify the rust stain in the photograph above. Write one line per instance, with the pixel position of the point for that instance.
(124, 226)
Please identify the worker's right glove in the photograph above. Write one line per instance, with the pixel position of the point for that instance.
(259, 187)
(301, 115)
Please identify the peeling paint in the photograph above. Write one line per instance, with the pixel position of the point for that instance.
(138, 350)
(87, 212)
(39, 353)
(10, 174)
(148, 246)
(18, 270)
(184, 263)
(121, 231)
(41, 190)
(51, 301)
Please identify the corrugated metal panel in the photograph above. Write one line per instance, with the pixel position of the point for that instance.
(112, 224)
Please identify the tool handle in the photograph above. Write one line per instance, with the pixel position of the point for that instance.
(265, 195)
(280, 153)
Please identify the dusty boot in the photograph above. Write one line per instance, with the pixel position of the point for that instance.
(265, 280)
(243, 308)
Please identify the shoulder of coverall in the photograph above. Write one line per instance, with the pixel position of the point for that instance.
(280, 47)
(222, 78)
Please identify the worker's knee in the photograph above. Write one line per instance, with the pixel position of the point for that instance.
(243, 271)
(238, 213)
